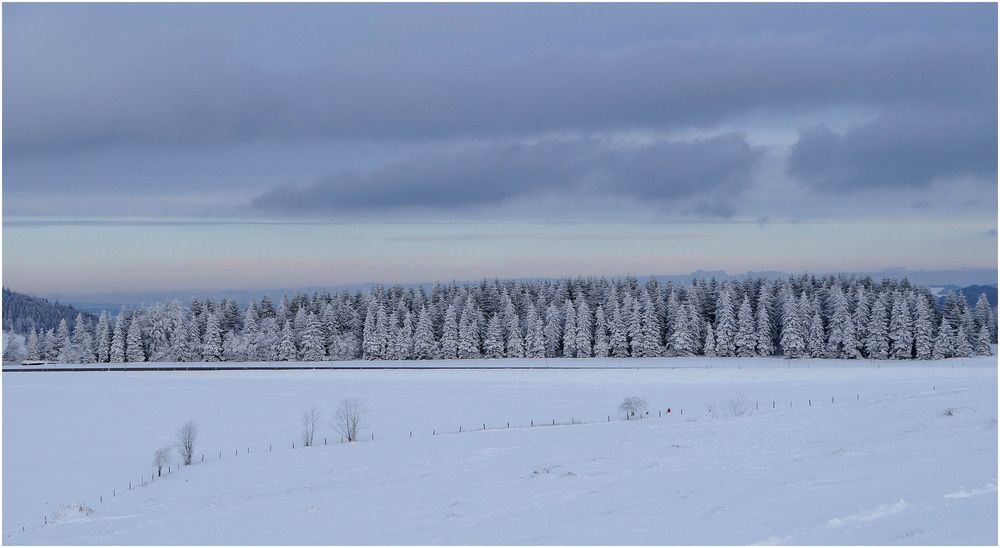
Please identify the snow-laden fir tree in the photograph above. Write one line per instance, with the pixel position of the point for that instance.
(983, 346)
(83, 342)
(468, 331)
(31, 347)
(313, 340)
(765, 340)
(862, 315)
(923, 330)
(64, 352)
(746, 336)
(725, 325)
(649, 345)
(13, 352)
(901, 330)
(682, 342)
(102, 338)
(944, 343)
(134, 351)
(569, 330)
(512, 329)
(632, 312)
(584, 334)
(710, 344)
(601, 346)
(841, 342)
(982, 313)
(493, 346)
(963, 348)
(449, 334)
(50, 347)
(793, 345)
(877, 344)
(117, 352)
(211, 348)
(816, 345)
(424, 347)
(286, 351)
(552, 331)
(618, 337)
(534, 338)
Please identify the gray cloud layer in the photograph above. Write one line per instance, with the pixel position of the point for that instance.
(489, 104)
(713, 170)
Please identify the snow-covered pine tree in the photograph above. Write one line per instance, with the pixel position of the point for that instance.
(449, 333)
(672, 309)
(746, 337)
(584, 335)
(963, 349)
(840, 324)
(569, 330)
(862, 316)
(513, 334)
(64, 345)
(725, 324)
(923, 330)
(83, 342)
(368, 340)
(194, 346)
(534, 340)
(493, 346)
(134, 351)
(650, 345)
(816, 345)
(901, 330)
(618, 338)
(682, 339)
(424, 346)
(468, 331)
(313, 340)
(552, 331)
(31, 347)
(632, 309)
(765, 340)
(102, 337)
(944, 343)
(117, 351)
(877, 344)
(601, 345)
(982, 312)
(710, 343)
(792, 343)
(51, 347)
(286, 351)
(13, 352)
(983, 343)
(211, 348)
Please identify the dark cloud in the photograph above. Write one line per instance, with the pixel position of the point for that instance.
(900, 148)
(706, 175)
(87, 81)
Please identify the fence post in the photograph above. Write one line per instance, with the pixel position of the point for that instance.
(756, 406)
(682, 410)
(659, 413)
(203, 457)
(293, 445)
(508, 424)
(859, 396)
(373, 436)
(609, 418)
(532, 422)
(773, 403)
(831, 399)
(220, 454)
(102, 498)
(411, 433)
(130, 486)
(553, 422)
(113, 493)
(810, 403)
(460, 428)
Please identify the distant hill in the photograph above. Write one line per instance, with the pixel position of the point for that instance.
(22, 312)
(972, 292)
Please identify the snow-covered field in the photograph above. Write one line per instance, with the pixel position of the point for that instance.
(883, 463)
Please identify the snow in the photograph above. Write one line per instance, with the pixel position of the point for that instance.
(881, 464)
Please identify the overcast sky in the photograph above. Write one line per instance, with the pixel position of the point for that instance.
(240, 146)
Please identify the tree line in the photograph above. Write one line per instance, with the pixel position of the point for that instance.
(796, 317)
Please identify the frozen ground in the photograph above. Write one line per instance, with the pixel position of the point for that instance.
(889, 468)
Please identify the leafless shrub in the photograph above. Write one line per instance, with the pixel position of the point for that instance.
(310, 423)
(737, 406)
(633, 405)
(350, 418)
(160, 459)
(950, 412)
(187, 435)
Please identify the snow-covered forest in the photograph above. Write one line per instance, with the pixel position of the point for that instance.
(806, 316)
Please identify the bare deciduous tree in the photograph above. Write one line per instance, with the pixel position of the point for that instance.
(633, 405)
(187, 435)
(310, 423)
(350, 418)
(160, 459)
